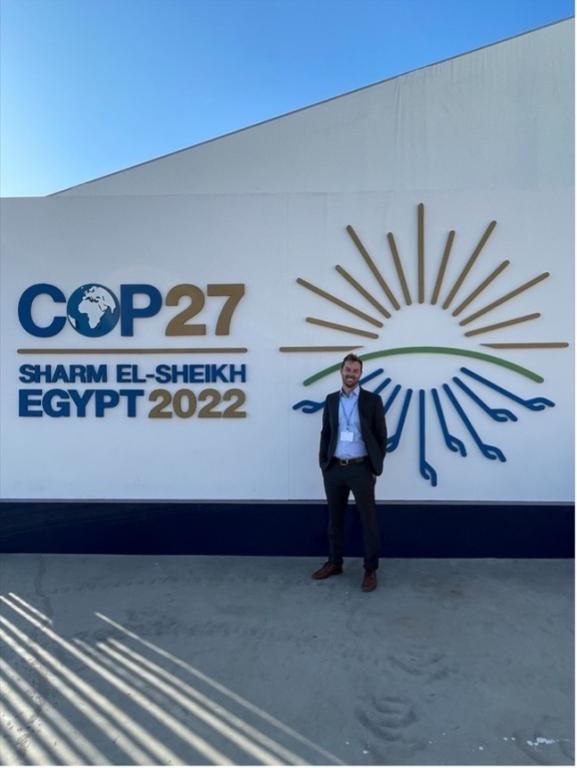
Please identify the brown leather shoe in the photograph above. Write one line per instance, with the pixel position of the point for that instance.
(369, 581)
(328, 569)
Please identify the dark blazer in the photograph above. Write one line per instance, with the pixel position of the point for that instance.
(373, 429)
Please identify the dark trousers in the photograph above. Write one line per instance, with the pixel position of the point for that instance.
(339, 482)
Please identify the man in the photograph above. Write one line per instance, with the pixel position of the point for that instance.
(352, 449)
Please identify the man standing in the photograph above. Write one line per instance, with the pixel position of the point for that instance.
(352, 449)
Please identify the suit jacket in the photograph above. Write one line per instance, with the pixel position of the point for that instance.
(373, 429)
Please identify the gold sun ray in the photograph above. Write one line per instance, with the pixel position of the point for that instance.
(372, 266)
(443, 266)
(357, 286)
(399, 268)
(504, 324)
(421, 250)
(529, 345)
(468, 266)
(474, 294)
(480, 288)
(339, 302)
(345, 328)
(505, 298)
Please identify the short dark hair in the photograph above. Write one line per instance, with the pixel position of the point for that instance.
(350, 358)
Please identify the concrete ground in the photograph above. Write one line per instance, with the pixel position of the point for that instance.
(202, 660)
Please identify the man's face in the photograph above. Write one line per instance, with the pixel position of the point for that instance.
(351, 373)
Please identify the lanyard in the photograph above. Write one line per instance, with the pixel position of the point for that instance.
(347, 417)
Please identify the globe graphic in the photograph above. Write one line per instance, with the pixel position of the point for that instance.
(93, 310)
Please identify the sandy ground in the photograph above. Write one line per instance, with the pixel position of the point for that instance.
(205, 660)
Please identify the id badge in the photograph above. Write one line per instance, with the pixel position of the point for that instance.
(347, 436)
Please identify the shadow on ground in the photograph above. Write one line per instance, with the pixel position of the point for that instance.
(201, 660)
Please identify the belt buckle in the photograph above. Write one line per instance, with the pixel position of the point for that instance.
(344, 462)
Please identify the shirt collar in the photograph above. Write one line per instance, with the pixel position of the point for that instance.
(354, 393)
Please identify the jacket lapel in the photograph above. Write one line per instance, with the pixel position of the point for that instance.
(363, 408)
(334, 407)
(362, 402)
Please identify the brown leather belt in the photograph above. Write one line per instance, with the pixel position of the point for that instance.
(345, 462)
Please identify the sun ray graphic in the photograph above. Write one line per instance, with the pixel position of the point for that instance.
(467, 393)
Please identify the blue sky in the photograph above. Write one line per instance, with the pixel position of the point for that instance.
(89, 87)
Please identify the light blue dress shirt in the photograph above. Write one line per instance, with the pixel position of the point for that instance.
(349, 420)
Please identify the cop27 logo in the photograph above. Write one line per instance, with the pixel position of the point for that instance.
(468, 390)
(94, 310)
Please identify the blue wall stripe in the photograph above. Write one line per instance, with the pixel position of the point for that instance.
(289, 529)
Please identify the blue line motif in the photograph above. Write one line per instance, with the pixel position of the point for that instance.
(381, 386)
(312, 406)
(453, 443)
(533, 403)
(497, 414)
(426, 470)
(489, 451)
(371, 376)
(394, 440)
(392, 396)
(308, 406)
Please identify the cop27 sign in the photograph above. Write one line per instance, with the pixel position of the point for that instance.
(93, 310)
(180, 347)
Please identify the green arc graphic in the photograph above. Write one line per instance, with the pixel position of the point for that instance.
(434, 351)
